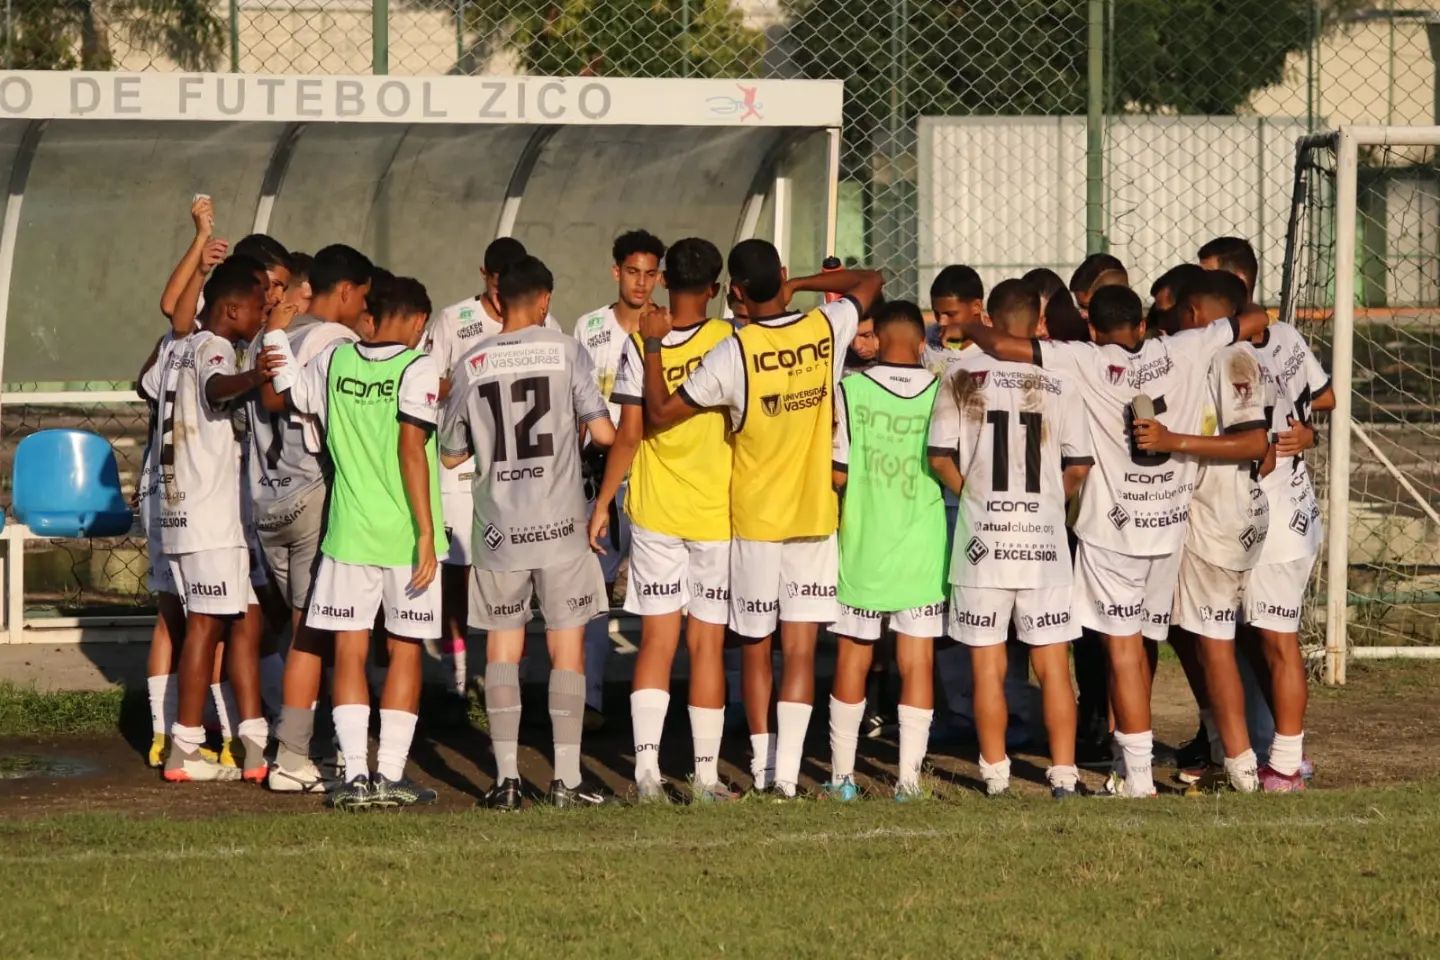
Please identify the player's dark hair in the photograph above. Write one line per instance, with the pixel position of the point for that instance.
(264, 248)
(755, 268)
(501, 253)
(1012, 304)
(1220, 286)
(958, 281)
(524, 279)
(1063, 320)
(1090, 269)
(1045, 281)
(692, 265)
(338, 264)
(398, 296)
(380, 280)
(300, 264)
(899, 311)
(636, 241)
(1176, 279)
(1115, 308)
(233, 278)
(1234, 254)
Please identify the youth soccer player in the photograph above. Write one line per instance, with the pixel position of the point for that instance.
(957, 297)
(891, 544)
(1082, 281)
(1011, 439)
(1229, 518)
(679, 505)
(776, 378)
(1275, 587)
(602, 333)
(201, 533)
(376, 401)
(1135, 504)
(517, 404)
(289, 471)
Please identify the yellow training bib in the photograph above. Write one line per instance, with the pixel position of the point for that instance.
(781, 488)
(680, 480)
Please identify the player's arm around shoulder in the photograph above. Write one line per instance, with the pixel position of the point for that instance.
(943, 444)
(663, 408)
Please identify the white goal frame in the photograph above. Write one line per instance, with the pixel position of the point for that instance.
(1347, 143)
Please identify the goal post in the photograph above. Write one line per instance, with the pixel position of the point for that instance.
(1362, 283)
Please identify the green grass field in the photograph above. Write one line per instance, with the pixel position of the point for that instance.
(1337, 873)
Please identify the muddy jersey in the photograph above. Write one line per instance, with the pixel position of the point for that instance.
(199, 458)
(1295, 530)
(1013, 428)
(516, 402)
(1134, 502)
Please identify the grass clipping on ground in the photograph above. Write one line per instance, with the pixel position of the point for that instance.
(1339, 873)
(27, 712)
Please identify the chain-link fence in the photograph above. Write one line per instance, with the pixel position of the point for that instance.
(1008, 135)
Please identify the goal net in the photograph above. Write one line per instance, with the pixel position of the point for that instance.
(1362, 283)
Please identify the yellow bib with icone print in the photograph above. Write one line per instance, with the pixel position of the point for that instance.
(781, 488)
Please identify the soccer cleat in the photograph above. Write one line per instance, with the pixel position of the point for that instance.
(305, 778)
(506, 795)
(256, 768)
(909, 794)
(1092, 752)
(159, 750)
(1061, 792)
(1210, 778)
(1194, 752)
(716, 792)
(1307, 769)
(227, 754)
(581, 796)
(183, 767)
(651, 791)
(1273, 781)
(355, 795)
(404, 792)
(875, 726)
(844, 791)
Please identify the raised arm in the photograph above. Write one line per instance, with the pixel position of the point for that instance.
(182, 322)
(862, 286)
(1001, 346)
(202, 212)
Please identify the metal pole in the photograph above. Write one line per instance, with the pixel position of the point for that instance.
(234, 36)
(460, 31)
(1095, 130)
(685, 38)
(380, 37)
(1337, 559)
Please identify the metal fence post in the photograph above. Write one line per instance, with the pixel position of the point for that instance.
(1095, 130)
(234, 36)
(380, 36)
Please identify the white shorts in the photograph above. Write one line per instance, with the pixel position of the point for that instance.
(865, 625)
(159, 578)
(1121, 595)
(571, 594)
(1275, 594)
(458, 510)
(213, 582)
(791, 580)
(981, 616)
(1207, 597)
(617, 540)
(346, 596)
(669, 574)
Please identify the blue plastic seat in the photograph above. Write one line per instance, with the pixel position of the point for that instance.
(66, 484)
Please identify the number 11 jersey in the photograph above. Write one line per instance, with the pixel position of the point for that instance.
(516, 402)
(1138, 503)
(1012, 428)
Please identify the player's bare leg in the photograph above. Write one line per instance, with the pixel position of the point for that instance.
(1290, 695)
(160, 680)
(650, 697)
(796, 701)
(399, 714)
(706, 643)
(1227, 708)
(989, 665)
(294, 770)
(1130, 679)
(847, 708)
(352, 703)
(915, 659)
(1051, 663)
(454, 613)
(757, 683)
(196, 668)
(242, 663)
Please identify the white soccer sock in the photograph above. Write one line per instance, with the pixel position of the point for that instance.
(1212, 734)
(995, 775)
(844, 737)
(914, 743)
(1138, 749)
(397, 730)
(647, 718)
(352, 731)
(257, 728)
(1241, 771)
(272, 683)
(707, 727)
(225, 710)
(187, 739)
(762, 759)
(793, 720)
(159, 689)
(1286, 753)
(1065, 777)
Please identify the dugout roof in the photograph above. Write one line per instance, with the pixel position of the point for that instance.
(420, 173)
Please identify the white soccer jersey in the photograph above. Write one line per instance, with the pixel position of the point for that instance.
(1013, 428)
(1137, 503)
(1297, 374)
(1229, 515)
(1295, 530)
(602, 337)
(449, 336)
(940, 359)
(199, 460)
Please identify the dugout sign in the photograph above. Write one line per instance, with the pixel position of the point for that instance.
(457, 100)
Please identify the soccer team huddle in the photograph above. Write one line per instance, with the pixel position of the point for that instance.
(329, 454)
